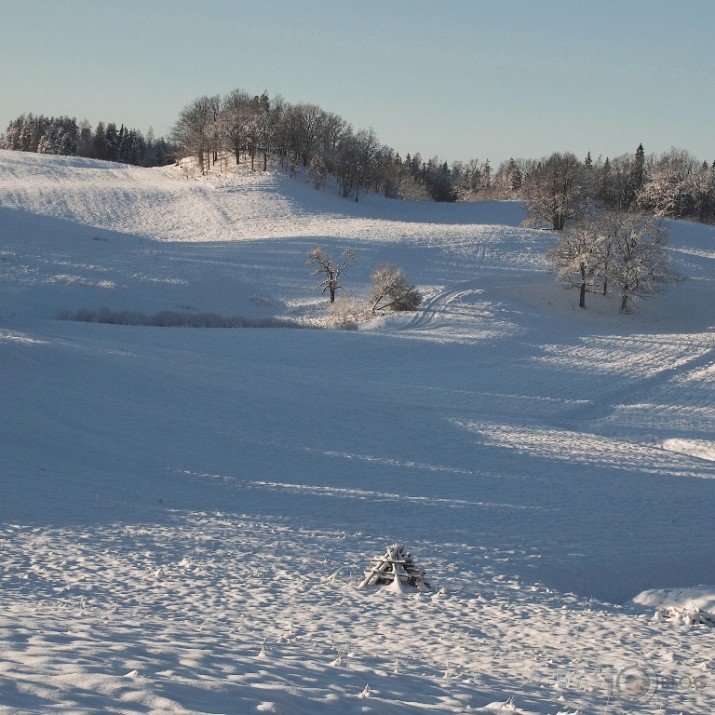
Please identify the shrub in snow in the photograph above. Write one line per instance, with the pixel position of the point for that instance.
(391, 291)
(346, 314)
(174, 319)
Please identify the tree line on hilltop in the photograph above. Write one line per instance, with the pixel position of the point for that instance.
(605, 213)
(255, 128)
(65, 136)
(674, 184)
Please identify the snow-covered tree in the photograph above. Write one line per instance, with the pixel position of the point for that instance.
(577, 257)
(65, 136)
(625, 249)
(391, 291)
(59, 136)
(704, 192)
(668, 188)
(639, 263)
(11, 137)
(508, 178)
(331, 270)
(638, 175)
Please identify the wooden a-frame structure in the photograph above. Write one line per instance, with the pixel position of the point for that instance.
(397, 569)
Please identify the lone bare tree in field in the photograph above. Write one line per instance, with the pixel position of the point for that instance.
(330, 270)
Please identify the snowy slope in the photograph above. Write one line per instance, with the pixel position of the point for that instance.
(186, 512)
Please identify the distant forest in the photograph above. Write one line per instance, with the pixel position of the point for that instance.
(324, 145)
(68, 137)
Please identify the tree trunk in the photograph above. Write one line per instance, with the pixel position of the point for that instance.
(582, 291)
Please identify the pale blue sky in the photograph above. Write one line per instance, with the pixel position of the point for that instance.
(459, 79)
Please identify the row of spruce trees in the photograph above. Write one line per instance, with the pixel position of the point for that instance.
(66, 136)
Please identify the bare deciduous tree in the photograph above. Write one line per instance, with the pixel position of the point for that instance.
(236, 116)
(555, 190)
(192, 129)
(330, 270)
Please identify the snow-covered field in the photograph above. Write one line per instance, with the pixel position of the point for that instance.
(185, 513)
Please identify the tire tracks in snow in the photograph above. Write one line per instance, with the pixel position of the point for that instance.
(658, 372)
(457, 314)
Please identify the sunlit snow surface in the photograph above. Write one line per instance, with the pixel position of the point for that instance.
(185, 513)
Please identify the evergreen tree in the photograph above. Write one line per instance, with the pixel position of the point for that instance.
(605, 189)
(111, 140)
(84, 143)
(99, 142)
(637, 174)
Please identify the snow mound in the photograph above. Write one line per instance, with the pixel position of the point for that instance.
(685, 606)
(691, 615)
(688, 606)
(701, 597)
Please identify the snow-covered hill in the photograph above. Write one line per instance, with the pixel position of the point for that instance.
(185, 513)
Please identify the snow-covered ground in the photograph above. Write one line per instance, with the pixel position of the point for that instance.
(186, 513)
